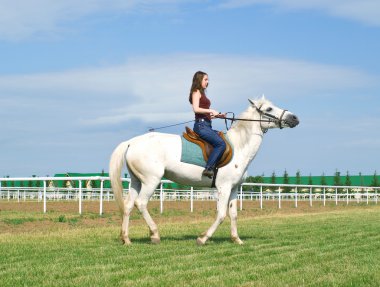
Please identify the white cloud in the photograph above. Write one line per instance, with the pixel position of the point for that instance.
(365, 11)
(20, 19)
(71, 120)
(23, 19)
(154, 89)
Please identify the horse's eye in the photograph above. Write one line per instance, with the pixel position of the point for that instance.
(269, 109)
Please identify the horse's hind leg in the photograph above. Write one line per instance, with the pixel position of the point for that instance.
(142, 200)
(128, 206)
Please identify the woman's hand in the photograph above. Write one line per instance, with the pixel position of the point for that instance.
(221, 116)
(214, 113)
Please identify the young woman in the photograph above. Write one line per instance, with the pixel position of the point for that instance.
(203, 115)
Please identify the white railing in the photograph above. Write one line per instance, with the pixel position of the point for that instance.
(264, 192)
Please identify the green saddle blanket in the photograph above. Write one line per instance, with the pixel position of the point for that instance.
(191, 153)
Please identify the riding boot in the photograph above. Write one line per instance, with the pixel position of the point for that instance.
(209, 172)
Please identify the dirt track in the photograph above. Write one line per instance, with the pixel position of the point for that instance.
(72, 207)
(25, 217)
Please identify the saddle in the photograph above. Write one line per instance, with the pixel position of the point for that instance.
(207, 148)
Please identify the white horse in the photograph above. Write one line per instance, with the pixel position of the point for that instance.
(151, 156)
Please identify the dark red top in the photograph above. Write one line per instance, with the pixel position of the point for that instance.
(204, 103)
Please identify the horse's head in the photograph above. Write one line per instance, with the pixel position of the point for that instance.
(272, 116)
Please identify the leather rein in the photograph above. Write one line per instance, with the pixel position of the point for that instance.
(270, 119)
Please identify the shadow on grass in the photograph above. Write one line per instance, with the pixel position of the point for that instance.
(183, 238)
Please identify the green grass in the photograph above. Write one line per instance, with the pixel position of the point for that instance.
(338, 248)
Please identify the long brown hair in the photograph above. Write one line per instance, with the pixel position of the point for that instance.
(197, 84)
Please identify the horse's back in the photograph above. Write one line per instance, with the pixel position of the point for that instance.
(150, 153)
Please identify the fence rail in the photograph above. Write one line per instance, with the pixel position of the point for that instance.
(258, 192)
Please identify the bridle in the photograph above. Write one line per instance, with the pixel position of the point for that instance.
(264, 118)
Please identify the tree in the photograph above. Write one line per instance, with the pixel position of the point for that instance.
(248, 179)
(3, 183)
(38, 183)
(375, 180)
(12, 183)
(259, 178)
(348, 179)
(323, 179)
(337, 178)
(286, 181)
(273, 178)
(298, 177)
(361, 179)
(310, 180)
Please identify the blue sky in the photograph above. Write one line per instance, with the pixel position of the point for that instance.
(78, 77)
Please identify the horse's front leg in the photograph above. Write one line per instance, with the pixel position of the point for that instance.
(223, 196)
(233, 216)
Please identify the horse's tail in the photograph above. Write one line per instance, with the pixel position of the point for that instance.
(116, 164)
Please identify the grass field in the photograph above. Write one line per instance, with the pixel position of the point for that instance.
(307, 246)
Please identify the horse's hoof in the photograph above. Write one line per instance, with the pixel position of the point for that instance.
(237, 240)
(126, 241)
(155, 240)
(200, 241)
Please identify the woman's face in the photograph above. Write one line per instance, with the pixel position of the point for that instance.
(205, 82)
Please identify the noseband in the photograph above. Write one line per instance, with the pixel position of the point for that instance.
(271, 118)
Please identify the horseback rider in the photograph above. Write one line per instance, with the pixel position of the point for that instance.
(203, 115)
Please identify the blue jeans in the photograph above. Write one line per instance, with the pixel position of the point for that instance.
(205, 131)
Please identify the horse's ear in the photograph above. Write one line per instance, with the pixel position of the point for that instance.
(252, 103)
(263, 97)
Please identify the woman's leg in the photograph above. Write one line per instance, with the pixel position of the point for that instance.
(204, 130)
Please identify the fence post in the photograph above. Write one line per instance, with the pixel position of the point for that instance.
(324, 196)
(347, 196)
(80, 197)
(161, 198)
(261, 197)
(241, 197)
(279, 197)
(101, 197)
(336, 196)
(311, 197)
(367, 196)
(296, 199)
(191, 199)
(44, 196)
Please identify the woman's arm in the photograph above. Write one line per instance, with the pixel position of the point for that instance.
(196, 96)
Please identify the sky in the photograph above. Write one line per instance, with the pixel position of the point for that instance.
(79, 77)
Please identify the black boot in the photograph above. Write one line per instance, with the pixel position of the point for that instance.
(208, 172)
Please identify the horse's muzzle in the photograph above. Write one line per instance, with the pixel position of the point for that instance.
(291, 120)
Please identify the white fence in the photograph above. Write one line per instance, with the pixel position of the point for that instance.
(259, 192)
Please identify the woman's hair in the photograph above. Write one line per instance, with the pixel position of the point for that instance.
(197, 84)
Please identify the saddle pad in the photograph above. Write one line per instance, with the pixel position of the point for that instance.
(191, 153)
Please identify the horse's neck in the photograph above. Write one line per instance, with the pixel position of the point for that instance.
(246, 139)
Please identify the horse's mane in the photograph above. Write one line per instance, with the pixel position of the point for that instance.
(243, 129)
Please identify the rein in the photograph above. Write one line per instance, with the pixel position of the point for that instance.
(160, 128)
(271, 119)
